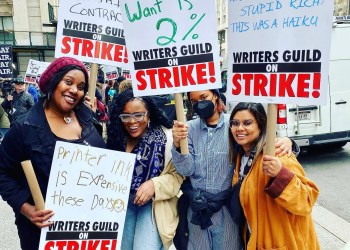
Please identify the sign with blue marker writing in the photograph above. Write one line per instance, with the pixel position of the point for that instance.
(88, 191)
(279, 50)
(91, 31)
(172, 45)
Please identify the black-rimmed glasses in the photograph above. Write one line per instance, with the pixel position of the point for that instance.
(139, 116)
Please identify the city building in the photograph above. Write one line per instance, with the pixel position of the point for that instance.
(29, 26)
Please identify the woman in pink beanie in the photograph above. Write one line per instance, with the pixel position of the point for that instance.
(60, 115)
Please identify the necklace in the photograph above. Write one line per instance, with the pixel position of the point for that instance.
(67, 119)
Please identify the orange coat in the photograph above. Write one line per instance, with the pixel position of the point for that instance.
(278, 210)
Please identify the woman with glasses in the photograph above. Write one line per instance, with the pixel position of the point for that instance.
(138, 126)
(275, 195)
(210, 173)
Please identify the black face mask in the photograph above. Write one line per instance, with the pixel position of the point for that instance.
(205, 109)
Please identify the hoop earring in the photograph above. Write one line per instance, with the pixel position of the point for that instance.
(148, 124)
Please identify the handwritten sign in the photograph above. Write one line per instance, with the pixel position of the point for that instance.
(91, 31)
(88, 191)
(6, 70)
(279, 51)
(34, 70)
(176, 50)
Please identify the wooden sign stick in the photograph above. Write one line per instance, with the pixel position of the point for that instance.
(33, 184)
(92, 81)
(271, 129)
(180, 114)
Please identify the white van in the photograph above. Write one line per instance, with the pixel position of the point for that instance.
(319, 125)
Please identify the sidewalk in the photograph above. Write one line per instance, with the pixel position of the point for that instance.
(333, 232)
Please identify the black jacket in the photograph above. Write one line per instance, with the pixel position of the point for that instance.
(20, 104)
(30, 138)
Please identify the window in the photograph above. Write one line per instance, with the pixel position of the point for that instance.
(6, 30)
(221, 37)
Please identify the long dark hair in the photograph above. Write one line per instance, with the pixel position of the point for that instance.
(57, 78)
(258, 111)
(115, 129)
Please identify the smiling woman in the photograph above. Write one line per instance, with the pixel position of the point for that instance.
(138, 126)
(273, 199)
(60, 115)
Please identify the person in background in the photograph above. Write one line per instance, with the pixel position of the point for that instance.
(19, 101)
(207, 165)
(138, 126)
(60, 115)
(118, 81)
(275, 195)
(107, 86)
(33, 91)
(124, 85)
(167, 104)
(4, 120)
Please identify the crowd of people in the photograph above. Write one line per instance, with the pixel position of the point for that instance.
(224, 194)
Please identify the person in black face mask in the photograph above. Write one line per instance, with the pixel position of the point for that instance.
(208, 167)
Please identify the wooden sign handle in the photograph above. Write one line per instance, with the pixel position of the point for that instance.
(92, 81)
(180, 115)
(271, 129)
(33, 184)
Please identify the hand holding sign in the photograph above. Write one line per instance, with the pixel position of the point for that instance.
(39, 218)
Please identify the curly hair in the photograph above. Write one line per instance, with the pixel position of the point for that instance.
(116, 133)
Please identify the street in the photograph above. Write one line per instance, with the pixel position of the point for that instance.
(330, 169)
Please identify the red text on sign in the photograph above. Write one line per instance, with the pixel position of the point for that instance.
(184, 75)
(81, 245)
(94, 49)
(281, 85)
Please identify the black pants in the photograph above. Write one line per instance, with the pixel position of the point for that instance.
(28, 233)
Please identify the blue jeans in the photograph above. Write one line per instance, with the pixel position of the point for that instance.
(140, 229)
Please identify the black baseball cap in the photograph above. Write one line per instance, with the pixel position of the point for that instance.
(18, 81)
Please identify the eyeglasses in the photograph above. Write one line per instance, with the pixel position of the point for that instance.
(245, 123)
(19, 83)
(139, 116)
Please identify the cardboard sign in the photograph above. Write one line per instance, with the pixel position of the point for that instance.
(279, 51)
(88, 191)
(91, 31)
(111, 72)
(126, 74)
(176, 50)
(6, 70)
(34, 70)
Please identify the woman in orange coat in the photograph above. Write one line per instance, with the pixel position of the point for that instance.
(275, 199)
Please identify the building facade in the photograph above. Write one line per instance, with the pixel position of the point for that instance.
(29, 26)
